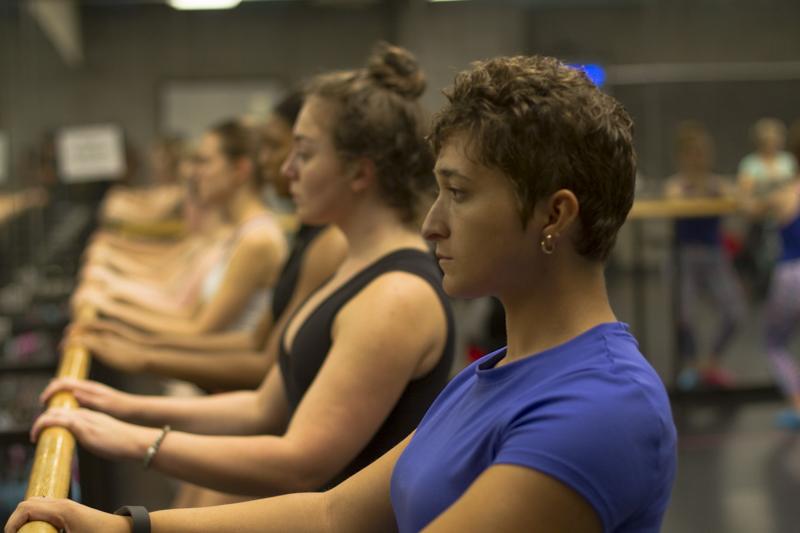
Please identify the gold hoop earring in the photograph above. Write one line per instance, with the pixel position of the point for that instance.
(548, 244)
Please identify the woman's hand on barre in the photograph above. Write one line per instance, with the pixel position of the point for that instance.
(116, 352)
(66, 515)
(90, 295)
(97, 274)
(98, 432)
(117, 328)
(93, 395)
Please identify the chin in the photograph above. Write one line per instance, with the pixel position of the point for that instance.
(459, 289)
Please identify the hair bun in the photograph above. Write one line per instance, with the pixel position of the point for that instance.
(396, 69)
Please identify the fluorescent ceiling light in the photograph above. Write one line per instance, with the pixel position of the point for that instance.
(203, 4)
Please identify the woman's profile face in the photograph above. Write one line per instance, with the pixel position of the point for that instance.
(317, 174)
(212, 171)
(770, 140)
(481, 244)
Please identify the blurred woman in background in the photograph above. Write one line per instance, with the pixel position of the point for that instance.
(704, 268)
(234, 291)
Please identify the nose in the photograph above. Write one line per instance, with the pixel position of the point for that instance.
(288, 166)
(434, 228)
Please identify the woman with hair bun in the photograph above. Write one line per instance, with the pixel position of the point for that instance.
(360, 360)
(568, 428)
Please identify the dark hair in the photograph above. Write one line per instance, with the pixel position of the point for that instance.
(547, 127)
(289, 107)
(376, 114)
(174, 149)
(238, 141)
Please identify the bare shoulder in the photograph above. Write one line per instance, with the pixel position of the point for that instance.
(263, 238)
(402, 298)
(330, 245)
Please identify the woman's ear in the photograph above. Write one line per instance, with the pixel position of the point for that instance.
(560, 212)
(362, 174)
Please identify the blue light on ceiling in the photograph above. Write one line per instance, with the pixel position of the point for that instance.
(596, 73)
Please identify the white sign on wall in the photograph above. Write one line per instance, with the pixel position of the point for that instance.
(4, 158)
(90, 153)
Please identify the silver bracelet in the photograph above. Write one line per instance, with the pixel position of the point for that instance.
(152, 450)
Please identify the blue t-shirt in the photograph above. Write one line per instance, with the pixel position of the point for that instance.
(592, 413)
(790, 240)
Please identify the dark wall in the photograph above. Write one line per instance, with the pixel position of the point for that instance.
(130, 51)
(679, 32)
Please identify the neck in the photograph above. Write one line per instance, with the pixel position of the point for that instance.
(373, 230)
(560, 305)
(243, 206)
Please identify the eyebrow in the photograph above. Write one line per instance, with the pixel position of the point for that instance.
(447, 172)
(299, 137)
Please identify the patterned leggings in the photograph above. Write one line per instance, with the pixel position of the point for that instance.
(705, 271)
(782, 316)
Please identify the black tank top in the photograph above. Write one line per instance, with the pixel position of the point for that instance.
(312, 342)
(287, 281)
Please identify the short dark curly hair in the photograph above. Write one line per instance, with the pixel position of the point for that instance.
(547, 127)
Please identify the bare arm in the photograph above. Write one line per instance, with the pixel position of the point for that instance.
(373, 356)
(510, 498)
(264, 411)
(361, 504)
(206, 343)
(254, 262)
(245, 367)
(213, 370)
(144, 205)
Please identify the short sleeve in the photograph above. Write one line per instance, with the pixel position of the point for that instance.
(603, 443)
(791, 163)
(746, 166)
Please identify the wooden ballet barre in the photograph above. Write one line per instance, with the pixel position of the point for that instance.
(163, 229)
(52, 464)
(683, 207)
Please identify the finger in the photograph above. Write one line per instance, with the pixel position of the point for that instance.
(87, 393)
(76, 328)
(34, 509)
(18, 518)
(59, 417)
(58, 385)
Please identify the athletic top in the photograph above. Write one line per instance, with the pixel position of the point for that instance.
(591, 413)
(253, 309)
(767, 178)
(699, 230)
(287, 281)
(790, 240)
(312, 342)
